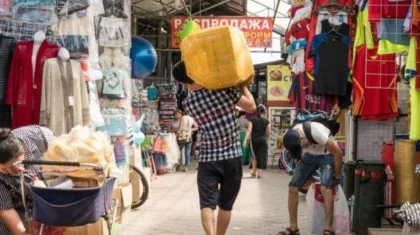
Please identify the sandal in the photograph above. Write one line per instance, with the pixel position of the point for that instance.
(289, 231)
(328, 232)
(253, 175)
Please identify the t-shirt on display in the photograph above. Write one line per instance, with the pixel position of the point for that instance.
(331, 63)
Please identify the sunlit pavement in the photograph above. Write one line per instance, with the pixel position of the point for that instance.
(173, 206)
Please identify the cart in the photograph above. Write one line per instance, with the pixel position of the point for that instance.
(71, 207)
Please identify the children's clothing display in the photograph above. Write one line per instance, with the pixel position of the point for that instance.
(168, 105)
(113, 32)
(115, 122)
(152, 93)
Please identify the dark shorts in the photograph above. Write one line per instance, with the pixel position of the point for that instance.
(227, 174)
(307, 167)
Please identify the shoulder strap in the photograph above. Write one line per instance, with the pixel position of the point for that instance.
(307, 129)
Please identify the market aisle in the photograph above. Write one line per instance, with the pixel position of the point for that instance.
(173, 207)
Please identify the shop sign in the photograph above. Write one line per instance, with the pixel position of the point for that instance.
(258, 31)
(279, 81)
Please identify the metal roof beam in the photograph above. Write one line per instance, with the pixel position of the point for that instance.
(270, 7)
(211, 7)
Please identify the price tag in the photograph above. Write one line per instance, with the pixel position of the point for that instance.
(71, 101)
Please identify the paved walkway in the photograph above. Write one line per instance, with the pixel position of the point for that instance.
(173, 208)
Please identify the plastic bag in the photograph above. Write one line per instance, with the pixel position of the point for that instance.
(316, 225)
(80, 145)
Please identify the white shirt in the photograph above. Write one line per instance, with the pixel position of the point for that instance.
(320, 134)
(187, 123)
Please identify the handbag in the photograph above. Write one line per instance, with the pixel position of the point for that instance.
(184, 136)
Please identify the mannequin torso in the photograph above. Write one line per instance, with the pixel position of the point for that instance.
(39, 37)
(64, 56)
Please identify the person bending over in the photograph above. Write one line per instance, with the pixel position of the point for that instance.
(313, 156)
(220, 153)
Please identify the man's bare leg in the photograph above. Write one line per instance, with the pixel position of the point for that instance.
(223, 220)
(293, 207)
(207, 219)
(329, 206)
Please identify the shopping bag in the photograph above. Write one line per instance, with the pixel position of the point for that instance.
(341, 222)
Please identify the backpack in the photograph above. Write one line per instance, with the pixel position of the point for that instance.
(305, 117)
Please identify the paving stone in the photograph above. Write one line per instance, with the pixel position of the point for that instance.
(173, 206)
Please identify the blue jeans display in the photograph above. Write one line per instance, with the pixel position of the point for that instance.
(185, 153)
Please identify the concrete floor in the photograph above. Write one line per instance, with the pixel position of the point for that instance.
(173, 206)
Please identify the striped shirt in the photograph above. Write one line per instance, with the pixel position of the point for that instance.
(35, 139)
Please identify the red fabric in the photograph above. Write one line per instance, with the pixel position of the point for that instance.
(309, 62)
(23, 89)
(298, 30)
(295, 8)
(387, 155)
(395, 10)
(379, 9)
(301, 95)
(374, 85)
(418, 64)
(374, 10)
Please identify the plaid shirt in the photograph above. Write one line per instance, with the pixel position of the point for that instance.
(214, 112)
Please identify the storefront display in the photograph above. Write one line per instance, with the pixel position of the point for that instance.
(280, 121)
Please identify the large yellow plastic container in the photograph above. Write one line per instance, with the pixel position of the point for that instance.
(218, 57)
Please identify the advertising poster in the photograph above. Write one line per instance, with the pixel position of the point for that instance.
(279, 81)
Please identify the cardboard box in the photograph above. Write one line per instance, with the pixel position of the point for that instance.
(135, 157)
(124, 197)
(137, 185)
(98, 228)
(388, 231)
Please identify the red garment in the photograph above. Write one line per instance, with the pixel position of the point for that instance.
(294, 9)
(298, 30)
(302, 96)
(374, 85)
(23, 89)
(379, 9)
(395, 10)
(375, 11)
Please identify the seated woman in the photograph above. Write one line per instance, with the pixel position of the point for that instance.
(29, 143)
